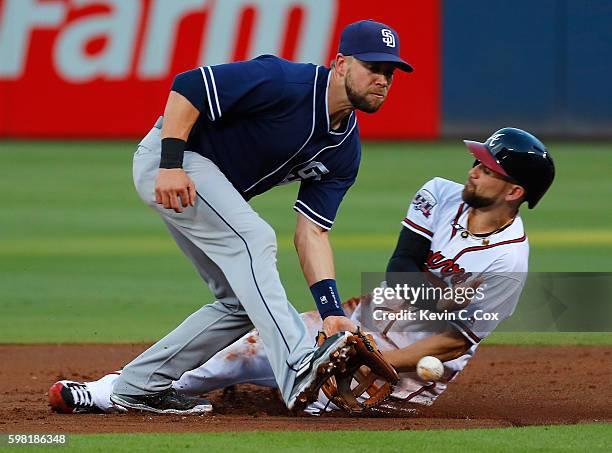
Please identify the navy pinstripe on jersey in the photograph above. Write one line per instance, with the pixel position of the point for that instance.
(265, 122)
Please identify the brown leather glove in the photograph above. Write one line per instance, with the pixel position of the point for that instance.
(367, 381)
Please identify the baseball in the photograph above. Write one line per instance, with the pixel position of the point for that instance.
(429, 368)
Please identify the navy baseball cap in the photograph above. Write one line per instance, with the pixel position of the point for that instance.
(372, 41)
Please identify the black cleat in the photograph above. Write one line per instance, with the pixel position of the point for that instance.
(165, 402)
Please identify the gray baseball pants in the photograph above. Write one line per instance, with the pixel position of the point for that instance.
(234, 251)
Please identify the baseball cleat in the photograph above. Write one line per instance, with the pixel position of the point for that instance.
(168, 401)
(329, 359)
(71, 397)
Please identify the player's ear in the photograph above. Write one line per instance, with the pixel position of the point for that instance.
(515, 193)
(341, 64)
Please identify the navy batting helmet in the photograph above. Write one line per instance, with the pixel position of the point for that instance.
(520, 156)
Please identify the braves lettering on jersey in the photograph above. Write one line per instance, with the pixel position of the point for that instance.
(267, 123)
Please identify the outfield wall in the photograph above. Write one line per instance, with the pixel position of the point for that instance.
(544, 65)
(102, 68)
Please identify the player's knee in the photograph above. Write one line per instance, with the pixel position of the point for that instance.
(264, 232)
(263, 236)
(144, 183)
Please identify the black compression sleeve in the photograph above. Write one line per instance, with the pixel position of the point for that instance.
(410, 252)
(172, 150)
(406, 264)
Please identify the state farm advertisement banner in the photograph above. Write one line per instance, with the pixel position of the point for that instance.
(103, 68)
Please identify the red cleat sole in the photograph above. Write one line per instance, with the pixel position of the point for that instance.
(56, 401)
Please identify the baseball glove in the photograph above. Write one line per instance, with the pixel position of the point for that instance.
(367, 381)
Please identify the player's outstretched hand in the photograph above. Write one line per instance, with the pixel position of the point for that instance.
(333, 324)
(174, 189)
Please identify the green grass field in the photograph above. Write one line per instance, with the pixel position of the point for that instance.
(83, 260)
(593, 438)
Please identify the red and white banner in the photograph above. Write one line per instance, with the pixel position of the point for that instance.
(103, 68)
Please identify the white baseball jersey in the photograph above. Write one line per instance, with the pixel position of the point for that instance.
(438, 213)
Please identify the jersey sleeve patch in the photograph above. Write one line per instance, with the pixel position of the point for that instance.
(424, 202)
(422, 210)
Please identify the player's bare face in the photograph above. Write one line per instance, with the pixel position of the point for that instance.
(367, 84)
(483, 188)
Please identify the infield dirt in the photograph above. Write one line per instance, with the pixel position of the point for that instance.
(502, 386)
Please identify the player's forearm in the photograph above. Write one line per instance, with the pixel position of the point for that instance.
(316, 259)
(314, 251)
(445, 346)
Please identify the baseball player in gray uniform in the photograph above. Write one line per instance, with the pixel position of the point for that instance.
(231, 132)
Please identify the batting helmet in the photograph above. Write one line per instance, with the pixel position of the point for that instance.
(520, 156)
